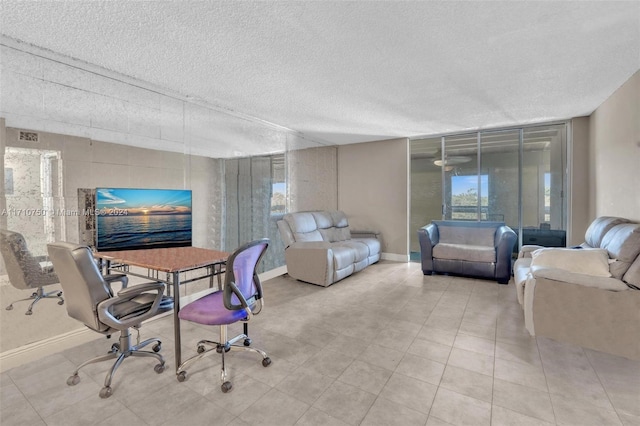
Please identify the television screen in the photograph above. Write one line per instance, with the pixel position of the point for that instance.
(129, 219)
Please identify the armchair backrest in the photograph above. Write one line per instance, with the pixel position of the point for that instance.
(241, 272)
(467, 232)
(23, 268)
(82, 283)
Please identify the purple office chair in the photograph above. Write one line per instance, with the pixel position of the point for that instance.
(240, 299)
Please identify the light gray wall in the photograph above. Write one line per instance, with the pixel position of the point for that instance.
(579, 218)
(614, 154)
(373, 190)
(312, 177)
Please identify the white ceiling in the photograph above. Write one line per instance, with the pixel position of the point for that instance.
(354, 71)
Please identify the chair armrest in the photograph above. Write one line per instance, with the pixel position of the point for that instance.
(243, 302)
(126, 295)
(140, 288)
(114, 278)
(526, 250)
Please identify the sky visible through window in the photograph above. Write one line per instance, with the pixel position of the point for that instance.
(462, 184)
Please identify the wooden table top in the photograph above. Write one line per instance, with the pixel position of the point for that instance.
(171, 259)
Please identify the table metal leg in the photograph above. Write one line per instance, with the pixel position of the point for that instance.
(176, 319)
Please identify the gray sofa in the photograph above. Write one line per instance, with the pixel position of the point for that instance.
(476, 249)
(320, 247)
(588, 295)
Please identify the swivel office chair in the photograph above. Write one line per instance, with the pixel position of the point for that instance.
(26, 271)
(91, 301)
(239, 300)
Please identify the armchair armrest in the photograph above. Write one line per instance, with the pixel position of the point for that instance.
(428, 237)
(126, 295)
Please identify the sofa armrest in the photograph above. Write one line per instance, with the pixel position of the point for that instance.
(526, 250)
(556, 274)
(310, 261)
(365, 234)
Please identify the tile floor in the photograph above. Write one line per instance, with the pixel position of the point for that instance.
(386, 346)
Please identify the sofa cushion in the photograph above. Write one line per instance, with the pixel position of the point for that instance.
(471, 253)
(594, 262)
(632, 276)
(481, 236)
(343, 256)
(372, 243)
(339, 219)
(599, 228)
(333, 226)
(623, 244)
(303, 226)
(360, 251)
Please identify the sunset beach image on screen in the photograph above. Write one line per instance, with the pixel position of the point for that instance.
(135, 218)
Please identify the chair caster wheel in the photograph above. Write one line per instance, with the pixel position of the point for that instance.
(266, 362)
(28, 313)
(10, 307)
(200, 349)
(61, 302)
(226, 387)
(182, 376)
(159, 368)
(115, 348)
(73, 380)
(247, 342)
(59, 294)
(106, 392)
(157, 347)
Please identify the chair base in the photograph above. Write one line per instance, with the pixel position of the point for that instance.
(222, 348)
(121, 351)
(39, 294)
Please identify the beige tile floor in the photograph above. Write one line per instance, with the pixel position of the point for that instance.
(386, 346)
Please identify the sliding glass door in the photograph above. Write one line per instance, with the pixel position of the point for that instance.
(516, 176)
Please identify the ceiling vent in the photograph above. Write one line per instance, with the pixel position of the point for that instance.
(29, 136)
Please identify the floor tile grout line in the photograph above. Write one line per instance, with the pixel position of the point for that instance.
(595, 370)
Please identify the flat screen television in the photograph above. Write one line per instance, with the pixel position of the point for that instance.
(135, 218)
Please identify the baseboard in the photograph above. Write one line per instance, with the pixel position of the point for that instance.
(395, 257)
(37, 350)
(34, 351)
(281, 270)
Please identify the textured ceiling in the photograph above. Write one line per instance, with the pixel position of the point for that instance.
(345, 72)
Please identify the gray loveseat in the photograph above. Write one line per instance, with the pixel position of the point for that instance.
(321, 249)
(587, 296)
(476, 249)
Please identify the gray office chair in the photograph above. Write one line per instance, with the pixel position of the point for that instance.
(26, 271)
(91, 301)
